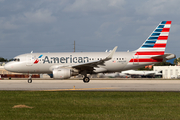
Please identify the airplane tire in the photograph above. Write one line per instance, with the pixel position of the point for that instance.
(29, 80)
(86, 79)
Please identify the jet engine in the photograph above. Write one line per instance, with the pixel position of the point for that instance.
(64, 73)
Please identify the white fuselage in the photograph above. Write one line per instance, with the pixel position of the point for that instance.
(49, 61)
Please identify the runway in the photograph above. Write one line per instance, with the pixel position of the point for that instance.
(93, 85)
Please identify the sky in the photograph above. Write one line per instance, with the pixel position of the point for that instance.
(94, 25)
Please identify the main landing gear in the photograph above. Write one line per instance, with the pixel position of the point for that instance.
(86, 79)
(30, 79)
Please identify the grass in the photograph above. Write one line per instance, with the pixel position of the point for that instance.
(80, 105)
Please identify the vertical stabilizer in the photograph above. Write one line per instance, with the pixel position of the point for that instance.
(156, 42)
(154, 45)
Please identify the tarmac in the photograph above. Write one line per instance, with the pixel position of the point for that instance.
(93, 85)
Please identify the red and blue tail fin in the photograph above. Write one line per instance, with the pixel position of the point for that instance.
(155, 44)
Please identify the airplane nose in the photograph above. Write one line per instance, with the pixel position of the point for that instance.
(8, 66)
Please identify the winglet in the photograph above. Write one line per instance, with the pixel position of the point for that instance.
(111, 54)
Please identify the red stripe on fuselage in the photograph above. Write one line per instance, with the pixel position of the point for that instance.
(146, 60)
(150, 53)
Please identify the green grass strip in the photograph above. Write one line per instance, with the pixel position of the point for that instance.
(78, 105)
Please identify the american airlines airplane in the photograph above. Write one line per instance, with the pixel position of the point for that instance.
(65, 65)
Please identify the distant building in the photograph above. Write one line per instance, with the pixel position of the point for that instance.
(168, 72)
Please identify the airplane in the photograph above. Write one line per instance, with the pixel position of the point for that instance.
(68, 64)
(142, 73)
(113, 75)
(109, 75)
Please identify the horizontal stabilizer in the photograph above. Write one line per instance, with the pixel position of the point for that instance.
(166, 56)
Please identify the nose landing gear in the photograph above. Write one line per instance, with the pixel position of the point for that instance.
(30, 79)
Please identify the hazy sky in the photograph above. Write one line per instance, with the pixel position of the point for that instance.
(95, 25)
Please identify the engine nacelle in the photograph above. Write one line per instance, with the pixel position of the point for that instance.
(63, 73)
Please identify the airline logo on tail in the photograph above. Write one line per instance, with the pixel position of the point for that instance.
(158, 38)
(154, 45)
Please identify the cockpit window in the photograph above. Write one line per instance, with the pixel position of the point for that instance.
(16, 59)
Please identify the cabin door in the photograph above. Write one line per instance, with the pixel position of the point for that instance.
(29, 60)
(136, 60)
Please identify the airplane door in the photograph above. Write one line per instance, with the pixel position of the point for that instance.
(136, 60)
(29, 60)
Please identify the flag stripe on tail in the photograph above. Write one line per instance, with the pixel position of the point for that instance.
(162, 37)
(159, 45)
(154, 45)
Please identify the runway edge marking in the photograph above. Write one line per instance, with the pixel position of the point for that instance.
(77, 89)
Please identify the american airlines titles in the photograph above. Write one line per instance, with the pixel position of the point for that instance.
(69, 59)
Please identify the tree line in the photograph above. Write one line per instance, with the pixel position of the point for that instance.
(5, 60)
(176, 61)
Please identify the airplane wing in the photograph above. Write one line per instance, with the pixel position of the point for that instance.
(167, 56)
(91, 65)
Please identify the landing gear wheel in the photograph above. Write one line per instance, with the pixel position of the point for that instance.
(86, 79)
(29, 80)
